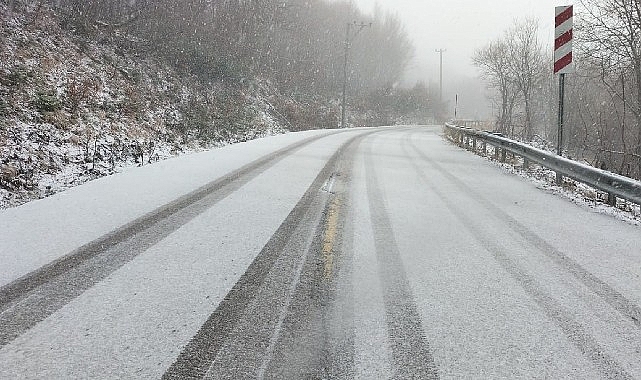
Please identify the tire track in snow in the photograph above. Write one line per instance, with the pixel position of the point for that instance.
(572, 329)
(412, 355)
(318, 333)
(196, 358)
(599, 287)
(32, 298)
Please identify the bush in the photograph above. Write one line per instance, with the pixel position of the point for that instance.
(223, 70)
(47, 102)
(16, 77)
(4, 107)
(199, 121)
(206, 67)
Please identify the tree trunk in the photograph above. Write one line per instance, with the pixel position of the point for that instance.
(528, 118)
(637, 112)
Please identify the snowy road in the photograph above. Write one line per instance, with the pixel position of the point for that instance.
(372, 253)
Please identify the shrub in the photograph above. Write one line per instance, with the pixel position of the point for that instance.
(4, 107)
(46, 102)
(16, 77)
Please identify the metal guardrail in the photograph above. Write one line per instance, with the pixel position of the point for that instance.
(615, 185)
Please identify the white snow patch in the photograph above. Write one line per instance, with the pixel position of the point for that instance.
(41, 231)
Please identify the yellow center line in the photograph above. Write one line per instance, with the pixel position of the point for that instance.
(329, 238)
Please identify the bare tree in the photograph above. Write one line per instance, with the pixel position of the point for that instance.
(610, 35)
(383, 53)
(297, 45)
(493, 61)
(527, 66)
(514, 67)
(610, 38)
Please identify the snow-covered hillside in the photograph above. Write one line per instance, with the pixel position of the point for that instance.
(74, 109)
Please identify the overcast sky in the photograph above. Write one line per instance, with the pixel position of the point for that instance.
(461, 26)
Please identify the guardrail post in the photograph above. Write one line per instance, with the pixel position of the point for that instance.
(474, 144)
(496, 153)
(526, 164)
(484, 148)
(612, 199)
(503, 155)
(559, 178)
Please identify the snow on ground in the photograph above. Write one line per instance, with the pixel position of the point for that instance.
(68, 168)
(490, 298)
(134, 323)
(577, 192)
(41, 231)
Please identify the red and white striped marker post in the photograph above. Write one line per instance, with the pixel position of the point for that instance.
(563, 30)
(563, 63)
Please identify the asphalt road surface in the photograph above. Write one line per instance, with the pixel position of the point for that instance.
(369, 254)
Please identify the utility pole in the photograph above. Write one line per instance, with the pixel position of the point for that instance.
(456, 108)
(441, 51)
(348, 40)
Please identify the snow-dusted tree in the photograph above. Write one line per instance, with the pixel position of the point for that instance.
(609, 35)
(493, 62)
(514, 67)
(527, 64)
(382, 53)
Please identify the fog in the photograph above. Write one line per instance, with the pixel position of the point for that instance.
(461, 27)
